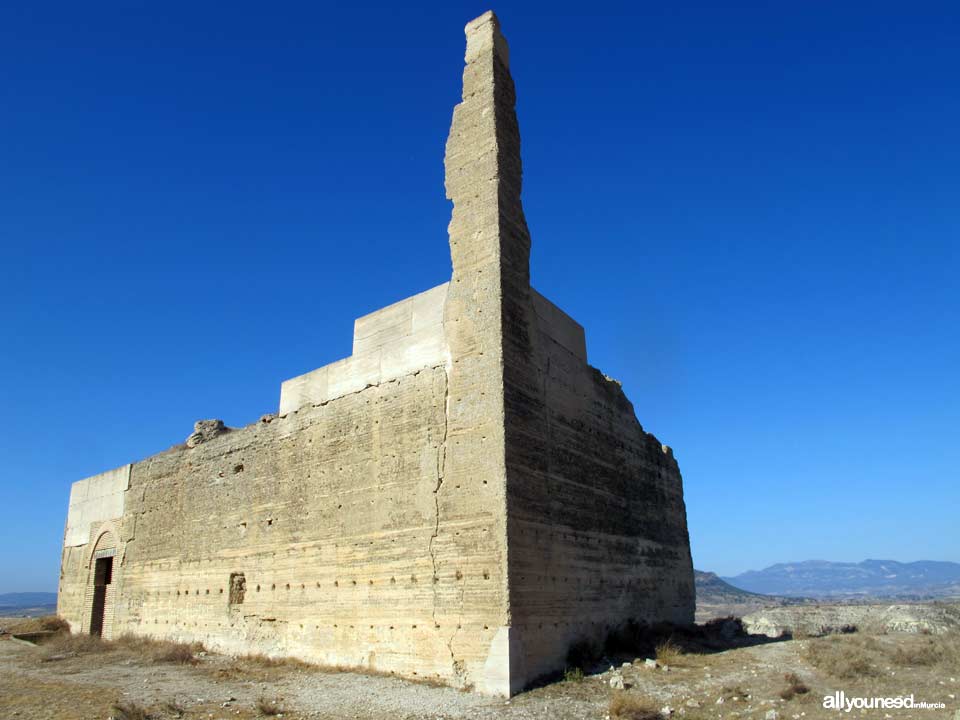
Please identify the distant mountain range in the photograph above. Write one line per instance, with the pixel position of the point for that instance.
(27, 603)
(711, 589)
(924, 579)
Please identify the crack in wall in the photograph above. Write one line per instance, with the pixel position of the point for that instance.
(441, 461)
(459, 671)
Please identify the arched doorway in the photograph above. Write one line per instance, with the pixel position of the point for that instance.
(100, 586)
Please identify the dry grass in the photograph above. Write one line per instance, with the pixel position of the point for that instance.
(174, 708)
(668, 652)
(159, 651)
(925, 655)
(258, 660)
(625, 706)
(928, 651)
(178, 653)
(842, 659)
(734, 692)
(795, 686)
(130, 711)
(47, 623)
(851, 657)
(573, 675)
(269, 708)
(53, 623)
(80, 644)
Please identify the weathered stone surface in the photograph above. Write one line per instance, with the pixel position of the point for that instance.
(464, 497)
(204, 431)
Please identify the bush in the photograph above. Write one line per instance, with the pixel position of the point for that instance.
(269, 708)
(174, 708)
(130, 711)
(668, 652)
(926, 653)
(624, 706)
(158, 651)
(795, 686)
(53, 623)
(79, 644)
(841, 659)
(734, 692)
(582, 654)
(176, 653)
(573, 675)
(264, 661)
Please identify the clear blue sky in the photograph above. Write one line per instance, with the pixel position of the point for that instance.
(753, 210)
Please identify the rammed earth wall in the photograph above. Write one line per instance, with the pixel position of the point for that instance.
(463, 498)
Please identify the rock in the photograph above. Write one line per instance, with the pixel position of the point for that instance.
(666, 711)
(771, 715)
(616, 681)
(205, 430)
(268, 418)
(665, 668)
(625, 665)
(692, 703)
(719, 701)
(650, 663)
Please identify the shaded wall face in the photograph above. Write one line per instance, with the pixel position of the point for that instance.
(315, 535)
(596, 520)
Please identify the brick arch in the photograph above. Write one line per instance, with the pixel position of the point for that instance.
(103, 565)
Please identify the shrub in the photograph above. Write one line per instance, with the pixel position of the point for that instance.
(627, 638)
(729, 627)
(175, 653)
(795, 686)
(130, 711)
(573, 675)
(926, 654)
(269, 708)
(53, 623)
(264, 661)
(174, 708)
(668, 652)
(79, 644)
(841, 659)
(734, 692)
(582, 654)
(624, 706)
(159, 651)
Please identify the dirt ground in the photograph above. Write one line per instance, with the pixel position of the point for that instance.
(68, 681)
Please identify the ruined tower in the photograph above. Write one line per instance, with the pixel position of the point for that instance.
(464, 497)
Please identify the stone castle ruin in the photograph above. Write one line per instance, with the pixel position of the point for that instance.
(462, 498)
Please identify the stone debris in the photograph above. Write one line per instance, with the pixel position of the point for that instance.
(204, 431)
